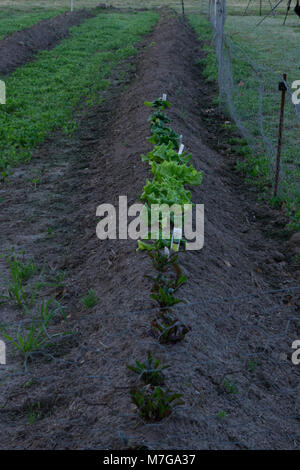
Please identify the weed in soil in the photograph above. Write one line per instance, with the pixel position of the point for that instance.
(150, 371)
(90, 300)
(155, 404)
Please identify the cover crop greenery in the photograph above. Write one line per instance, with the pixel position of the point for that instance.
(16, 21)
(42, 95)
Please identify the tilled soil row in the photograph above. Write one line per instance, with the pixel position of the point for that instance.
(233, 367)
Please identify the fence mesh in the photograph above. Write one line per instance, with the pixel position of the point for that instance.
(250, 93)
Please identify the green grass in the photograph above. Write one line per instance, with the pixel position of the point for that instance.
(90, 300)
(43, 95)
(209, 63)
(234, 7)
(16, 21)
(264, 46)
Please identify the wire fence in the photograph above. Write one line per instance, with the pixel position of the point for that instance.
(249, 91)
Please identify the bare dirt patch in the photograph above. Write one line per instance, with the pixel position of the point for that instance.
(83, 389)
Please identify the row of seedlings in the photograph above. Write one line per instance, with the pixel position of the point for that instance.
(171, 170)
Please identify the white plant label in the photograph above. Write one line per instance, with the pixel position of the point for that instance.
(180, 149)
(166, 251)
(296, 354)
(2, 92)
(164, 97)
(2, 352)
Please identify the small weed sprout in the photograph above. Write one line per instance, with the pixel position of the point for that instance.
(20, 273)
(32, 335)
(155, 404)
(230, 387)
(150, 371)
(252, 365)
(90, 300)
(34, 413)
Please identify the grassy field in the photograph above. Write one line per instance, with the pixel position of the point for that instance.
(257, 73)
(234, 7)
(57, 81)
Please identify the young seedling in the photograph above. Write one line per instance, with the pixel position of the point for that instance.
(162, 153)
(161, 281)
(150, 371)
(20, 272)
(34, 413)
(222, 414)
(49, 232)
(57, 278)
(230, 387)
(33, 336)
(165, 297)
(169, 329)
(159, 104)
(29, 339)
(90, 300)
(158, 116)
(19, 269)
(164, 135)
(17, 293)
(155, 404)
(252, 365)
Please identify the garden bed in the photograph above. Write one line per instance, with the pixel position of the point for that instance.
(239, 391)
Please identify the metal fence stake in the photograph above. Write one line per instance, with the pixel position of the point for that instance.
(283, 89)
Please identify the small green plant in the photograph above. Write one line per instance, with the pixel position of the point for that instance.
(29, 383)
(17, 293)
(90, 300)
(162, 153)
(34, 412)
(19, 269)
(150, 371)
(169, 329)
(182, 114)
(20, 272)
(49, 232)
(165, 297)
(159, 103)
(57, 278)
(158, 117)
(36, 179)
(230, 387)
(30, 338)
(155, 404)
(164, 135)
(252, 365)
(222, 414)
(161, 281)
(32, 335)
